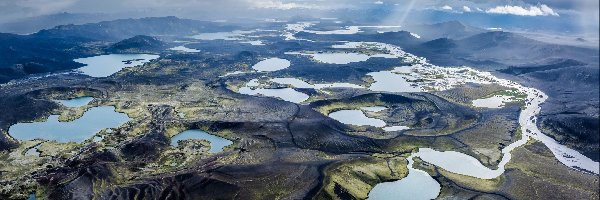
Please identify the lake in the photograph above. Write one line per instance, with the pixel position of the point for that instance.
(356, 117)
(78, 130)
(389, 81)
(458, 163)
(418, 185)
(287, 94)
(184, 49)
(216, 143)
(396, 128)
(233, 35)
(106, 65)
(271, 64)
(496, 101)
(76, 102)
(297, 83)
(341, 57)
(254, 42)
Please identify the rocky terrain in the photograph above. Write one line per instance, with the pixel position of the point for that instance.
(285, 150)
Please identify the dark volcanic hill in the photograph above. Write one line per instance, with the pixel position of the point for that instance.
(137, 44)
(54, 49)
(21, 55)
(496, 50)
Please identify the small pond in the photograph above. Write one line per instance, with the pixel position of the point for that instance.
(233, 35)
(287, 94)
(76, 102)
(396, 128)
(496, 101)
(254, 42)
(216, 143)
(184, 49)
(388, 81)
(356, 117)
(418, 185)
(271, 64)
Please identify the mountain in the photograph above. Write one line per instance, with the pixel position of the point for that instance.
(21, 55)
(35, 24)
(401, 38)
(441, 45)
(137, 44)
(54, 49)
(449, 29)
(126, 28)
(496, 50)
(514, 49)
(531, 69)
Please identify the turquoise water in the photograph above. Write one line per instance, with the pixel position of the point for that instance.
(92, 121)
(76, 102)
(216, 143)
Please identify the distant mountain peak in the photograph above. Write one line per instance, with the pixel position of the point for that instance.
(501, 36)
(440, 43)
(453, 23)
(137, 44)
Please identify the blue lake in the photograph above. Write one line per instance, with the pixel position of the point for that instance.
(106, 65)
(216, 143)
(418, 185)
(92, 121)
(76, 102)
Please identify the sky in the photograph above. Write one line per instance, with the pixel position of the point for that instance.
(579, 16)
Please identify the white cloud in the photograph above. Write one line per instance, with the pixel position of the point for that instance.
(378, 2)
(466, 9)
(447, 7)
(542, 10)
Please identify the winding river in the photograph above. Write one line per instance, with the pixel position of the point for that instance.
(460, 163)
(456, 76)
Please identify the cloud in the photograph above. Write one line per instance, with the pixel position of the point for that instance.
(29, 8)
(447, 7)
(466, 9)
(542, 10)
(378, 2)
